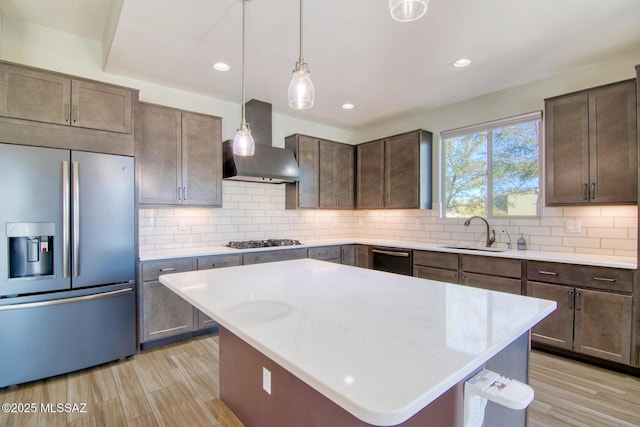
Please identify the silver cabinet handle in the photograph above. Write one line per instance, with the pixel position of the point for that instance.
(75, 114)
(67, 113)
(66, 215)
(604, 279)
(168, 269)
(570, 300)
(75, 214)
(66, 300)
(586, 191)
(548, 273)
(593, 190)
(578, 295)
(184, 193)
(179, 193)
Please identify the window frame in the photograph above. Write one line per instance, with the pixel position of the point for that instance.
(488, 127)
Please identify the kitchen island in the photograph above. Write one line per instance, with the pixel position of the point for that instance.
(307, 342)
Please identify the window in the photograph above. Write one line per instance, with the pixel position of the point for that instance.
(492, 169)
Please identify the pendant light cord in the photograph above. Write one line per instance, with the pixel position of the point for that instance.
(244, 120)
(301, 31)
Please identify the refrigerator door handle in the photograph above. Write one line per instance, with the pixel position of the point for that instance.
(66, 194)
(75, 231)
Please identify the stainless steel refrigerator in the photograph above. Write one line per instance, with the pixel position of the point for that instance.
(67, 261)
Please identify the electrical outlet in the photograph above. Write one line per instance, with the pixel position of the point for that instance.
(573, 226)
(266, 380)
(182, 226)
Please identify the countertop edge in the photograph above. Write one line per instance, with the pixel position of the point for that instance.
(526, 255)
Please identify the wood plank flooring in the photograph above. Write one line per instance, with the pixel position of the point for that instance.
(177, 385)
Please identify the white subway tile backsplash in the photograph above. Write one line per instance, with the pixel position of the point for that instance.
(256, 211)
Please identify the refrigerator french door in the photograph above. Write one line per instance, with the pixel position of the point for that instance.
(85, 204)
(67, 261)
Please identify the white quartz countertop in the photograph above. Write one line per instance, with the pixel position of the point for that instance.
(380, 345)
(563, 257)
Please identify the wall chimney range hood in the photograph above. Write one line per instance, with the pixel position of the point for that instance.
(268, 164)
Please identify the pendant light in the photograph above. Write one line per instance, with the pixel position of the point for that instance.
(407, 10)
(243, 144)
(301, 93)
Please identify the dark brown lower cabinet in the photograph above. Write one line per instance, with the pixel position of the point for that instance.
(495, 274)
(590, 322)
(356, 255)
(439, 266)
(163, 313)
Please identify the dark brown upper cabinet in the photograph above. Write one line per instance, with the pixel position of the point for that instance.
(43, 96)
(337, 180)
(591, 146)
(179, 157)
(326, 174)
(395, 172)
(48, 109)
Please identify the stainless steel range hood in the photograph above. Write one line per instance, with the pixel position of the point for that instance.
(269, 164)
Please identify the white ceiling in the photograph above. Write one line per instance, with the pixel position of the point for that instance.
(356, 52)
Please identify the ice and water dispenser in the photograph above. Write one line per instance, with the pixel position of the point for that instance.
(30, 249)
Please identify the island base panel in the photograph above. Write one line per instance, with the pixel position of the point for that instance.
(294, 403)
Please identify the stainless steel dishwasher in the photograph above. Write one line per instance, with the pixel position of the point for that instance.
(393, 260)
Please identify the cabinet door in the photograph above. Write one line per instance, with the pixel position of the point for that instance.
(557, 328)
(101, 106)
(165, 314)
(158, 155)
(336, 175)
(34, 95)
(349, 255)
(370, 175)
(308, 155)
(402, 171)
(362, 256)
(344, 178)
(328, 174)
(603, 325)
(612, 144)
(201, 160)
(567, 150)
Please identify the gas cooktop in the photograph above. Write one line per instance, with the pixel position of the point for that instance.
(248, 244)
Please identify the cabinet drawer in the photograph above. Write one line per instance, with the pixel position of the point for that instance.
(151, 270)
(613, 279)
(218, 261)
(326, 253)
(432, 273)
(272, 256)
(493, 283)
(492, 266)
(436, 259)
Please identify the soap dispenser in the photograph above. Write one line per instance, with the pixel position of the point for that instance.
(522, 243)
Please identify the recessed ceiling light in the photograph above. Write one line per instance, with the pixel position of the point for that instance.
(221, 66)
(348, 106)
(461, 63)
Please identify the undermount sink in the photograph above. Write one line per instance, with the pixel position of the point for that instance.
(475, 248)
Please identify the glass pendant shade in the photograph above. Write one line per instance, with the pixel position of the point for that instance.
(301, 93)
(408, 10)
(243, 144)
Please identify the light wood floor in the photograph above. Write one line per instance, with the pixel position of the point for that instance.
(177, 385)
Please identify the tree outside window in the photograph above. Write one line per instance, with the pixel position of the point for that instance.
(493, 169)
